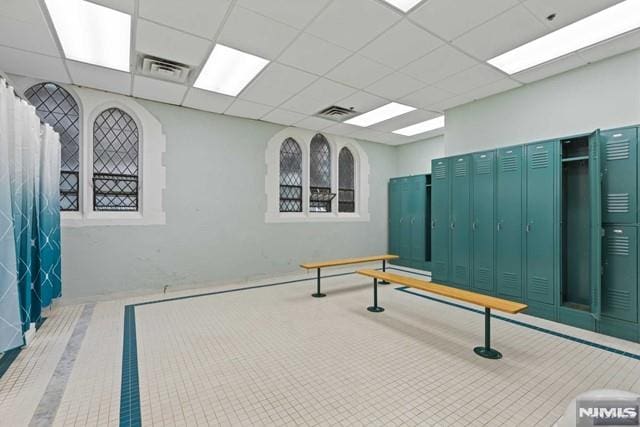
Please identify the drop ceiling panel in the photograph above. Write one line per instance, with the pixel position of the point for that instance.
(370, 135)
(167, 43)
(612, 47)
(314, 123)
(405, 120)
(342, 129)
(439, 64)
(498, 35)
(27, 35)
(454, 101)
(99, 77)
(493, 88)
(557, 66)
(314, 55)
(359, 72)
(256, 34)
(353, 23)
(403, 43)
(126, 6)
(322, 93)
(158, 90)
(567, 11)
(16, 61)
(362, 101)
(199, 17)
(469, 79)
(395, 86)
(207, 101)
(426, 97)
(283, 117)
(452, 18)
(296, 13)
(276, 84)
(247, 109)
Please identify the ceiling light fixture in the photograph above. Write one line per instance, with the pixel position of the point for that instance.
(422, 127)
(228, 70)
(92, 33)
(386, 112)
(608, 23)
(403, 5)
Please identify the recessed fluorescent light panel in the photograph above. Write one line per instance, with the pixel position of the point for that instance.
(422, 127)
(593, 29)
(228, 70)
(380, 114)
(92, 33)
(403, 5)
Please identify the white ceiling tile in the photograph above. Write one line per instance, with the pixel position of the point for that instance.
(359, 72)
(411, 118)
(22, 10)
(439, 64)
(321, 94)
(158, 90)
(283, 117)
(548, 69)
(426, 97)
(452, 102)
(395, 86)
(167, 43)
(199, 17)
(314, 55)
(296, 13)
(342, 129)
(567, 11)
(497, 36)
(256, 34)
(403, 43)
(612, 47)
(362, 102)
(370, 135)
(469, 79)
(276, 84)
(250, 110)
(33, 65)
(452, 18)
(32, 36)
(126, 6)
(314, 123)
(99, 78)
(395, 139)
(353, 23)
(207, 101)
(493, 88)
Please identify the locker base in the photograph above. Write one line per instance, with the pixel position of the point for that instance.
(318, 295)
(487, 353)
(375, 309)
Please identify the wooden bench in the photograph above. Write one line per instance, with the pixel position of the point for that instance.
(485, 301)
(346, 261)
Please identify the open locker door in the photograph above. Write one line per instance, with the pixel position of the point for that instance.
(595, 232)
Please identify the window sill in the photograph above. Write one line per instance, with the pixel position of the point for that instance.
(315, 217)
(94, 219)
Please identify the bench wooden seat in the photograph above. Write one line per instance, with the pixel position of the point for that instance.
(488, 302)
(345, 261)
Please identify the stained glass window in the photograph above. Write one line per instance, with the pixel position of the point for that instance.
(346, 181)
(290, 176)
(320, 175)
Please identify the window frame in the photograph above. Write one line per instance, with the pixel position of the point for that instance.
(353, 171)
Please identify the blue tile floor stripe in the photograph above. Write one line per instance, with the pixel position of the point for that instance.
(527, 325)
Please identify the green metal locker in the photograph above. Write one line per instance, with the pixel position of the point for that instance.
(404, 248)
(620, 272)
(483, 223)
(541, 253)
(509, 227)
(461, 221)
(619, 149)
(595, 208)
(418, 193)
(440, 199)
(394, 216)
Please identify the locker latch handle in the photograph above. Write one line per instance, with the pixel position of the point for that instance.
(474, 225)
(529, 225)
(499, 227)
(433, 223)
(453, 225)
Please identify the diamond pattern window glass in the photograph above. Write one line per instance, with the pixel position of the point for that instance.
(115, 162)
(55, 106)
(320, 175)
(290, 176)
(346, 182)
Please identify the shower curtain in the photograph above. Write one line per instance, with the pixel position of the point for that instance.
(29, 218)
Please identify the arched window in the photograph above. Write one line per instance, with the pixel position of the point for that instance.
(115, 161)
(59, 109)
(290, 176)
(346, 182)
(320, 175)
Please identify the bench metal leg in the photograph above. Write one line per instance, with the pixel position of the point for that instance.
(374, 308)
(487, 351)
(318, 294)
(384, 270)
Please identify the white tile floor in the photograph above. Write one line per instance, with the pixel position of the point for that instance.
(276, 356)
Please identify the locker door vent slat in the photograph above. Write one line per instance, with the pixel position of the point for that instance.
(483, 167)
(538, 285)
(482, 276)
(440, 171)
(618, 150)
(461, 273)
(618, 245)
(539, 160)
(618, 300)
(509, 164)
(510, 280)
(461, 168)
(618, 202)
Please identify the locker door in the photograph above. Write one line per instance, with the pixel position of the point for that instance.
(540, 211)
(595, 210)
(620, 279)
(461, 221)
(418, 232)
(483, 223)
(509, 227)
(440, 199)
(394, 216)
(404, 247)
(619, 181)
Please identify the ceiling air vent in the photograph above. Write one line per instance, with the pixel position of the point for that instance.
(163, 69)
(336, 113)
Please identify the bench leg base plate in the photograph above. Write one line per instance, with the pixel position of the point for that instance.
(383, 282)
(375, 309)
(318, 295)
(487, 353)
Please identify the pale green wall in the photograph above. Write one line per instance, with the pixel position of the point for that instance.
(415, 158)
